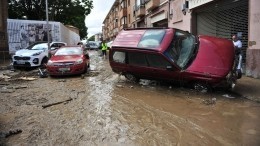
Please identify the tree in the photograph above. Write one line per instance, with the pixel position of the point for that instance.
(92, 38)
(68, 12)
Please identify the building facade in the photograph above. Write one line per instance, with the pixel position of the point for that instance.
(220, 18)
(3, 31)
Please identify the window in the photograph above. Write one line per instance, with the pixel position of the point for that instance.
(123, 20)
(151, 38)
(119, 57)
(137, 59)
(123, 4)
(157, 61)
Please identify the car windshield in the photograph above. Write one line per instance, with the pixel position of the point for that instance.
(38, 47)
(69, 51)
(151, 38)
(182, 48)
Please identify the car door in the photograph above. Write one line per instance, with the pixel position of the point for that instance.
(160, 68)
(137, 64)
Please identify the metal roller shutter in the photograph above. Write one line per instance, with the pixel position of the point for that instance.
(223, 19)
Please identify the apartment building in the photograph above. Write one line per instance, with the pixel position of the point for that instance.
(221, 18)
(3, 31)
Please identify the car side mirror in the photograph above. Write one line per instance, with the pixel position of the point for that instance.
(169, 68)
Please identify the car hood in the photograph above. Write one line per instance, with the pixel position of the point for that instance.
(26, 52)
(215, 56)
(65, 58)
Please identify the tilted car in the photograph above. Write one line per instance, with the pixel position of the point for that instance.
(68, 60)
(173, 55)
(34, 55)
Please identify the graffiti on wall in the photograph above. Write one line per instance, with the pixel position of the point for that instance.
(22, 34)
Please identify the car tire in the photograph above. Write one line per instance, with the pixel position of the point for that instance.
(131, 77)
(44, 61)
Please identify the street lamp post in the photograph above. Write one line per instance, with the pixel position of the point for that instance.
(47, 22)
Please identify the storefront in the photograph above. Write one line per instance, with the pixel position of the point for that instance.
(222, 18)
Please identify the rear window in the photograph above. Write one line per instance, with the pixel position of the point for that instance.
(151, 38)
(69, 51)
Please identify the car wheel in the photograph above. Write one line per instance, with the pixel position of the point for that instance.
(44, 61)
(131, 77)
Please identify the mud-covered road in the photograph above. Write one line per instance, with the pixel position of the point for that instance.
(104, 108)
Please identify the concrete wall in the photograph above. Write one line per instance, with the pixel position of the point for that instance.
(253, 51)
(177, 18)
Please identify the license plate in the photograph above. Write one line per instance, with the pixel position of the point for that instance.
(20, 62)
(64, 69)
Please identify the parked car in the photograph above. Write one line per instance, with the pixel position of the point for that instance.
(34, 55)
(54, 46)
(173, 55)
(92, 45)
(68, 60)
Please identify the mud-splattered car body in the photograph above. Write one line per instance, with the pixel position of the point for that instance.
(68, 60)
(173, 55)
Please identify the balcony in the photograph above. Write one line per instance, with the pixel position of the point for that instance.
(140, 11)
(152, 4)
(123, 12)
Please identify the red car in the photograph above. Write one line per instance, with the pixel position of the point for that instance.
(68, 60)
(173, 55)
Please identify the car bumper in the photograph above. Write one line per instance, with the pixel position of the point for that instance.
(58, 70)
(26, 61)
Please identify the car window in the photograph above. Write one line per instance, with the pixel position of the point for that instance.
(137, 59)
(69, 51)
(157, 61)
(39, 47)
(151, 38)
(181, 48)
(119, 57)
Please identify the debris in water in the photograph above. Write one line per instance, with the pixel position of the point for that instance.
(27, 78)
(228, 96)
(120, 86)
(209, 101)
(62, 80)
(60, 102)
(10, 133)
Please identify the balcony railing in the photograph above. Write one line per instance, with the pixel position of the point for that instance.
(123, 26)
(152, 4)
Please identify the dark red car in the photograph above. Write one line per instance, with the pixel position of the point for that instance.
(173, 55)
(68, 60)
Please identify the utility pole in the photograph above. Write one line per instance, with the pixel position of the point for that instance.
(47, 22)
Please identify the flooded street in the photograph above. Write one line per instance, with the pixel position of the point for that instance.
(104, 108)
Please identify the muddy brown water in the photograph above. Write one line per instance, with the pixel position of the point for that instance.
(106, 109)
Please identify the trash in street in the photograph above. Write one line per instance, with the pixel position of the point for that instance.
(56, 103)
(43, 73)
(209, 101)
(62, 80)
(120, 86)
(228, 96)
(27, 78)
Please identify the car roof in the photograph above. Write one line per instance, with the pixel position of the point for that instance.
(130, 38)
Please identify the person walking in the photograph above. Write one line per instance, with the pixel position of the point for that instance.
(104, 49)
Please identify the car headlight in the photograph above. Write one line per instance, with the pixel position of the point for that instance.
(50, 63)
(79, 61)
(36, 54)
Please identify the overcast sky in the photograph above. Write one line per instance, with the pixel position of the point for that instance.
(95, 19)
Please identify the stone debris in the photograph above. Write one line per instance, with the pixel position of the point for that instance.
(27, 78)
(209, 101)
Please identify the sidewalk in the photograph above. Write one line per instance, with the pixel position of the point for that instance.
(248, 87)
